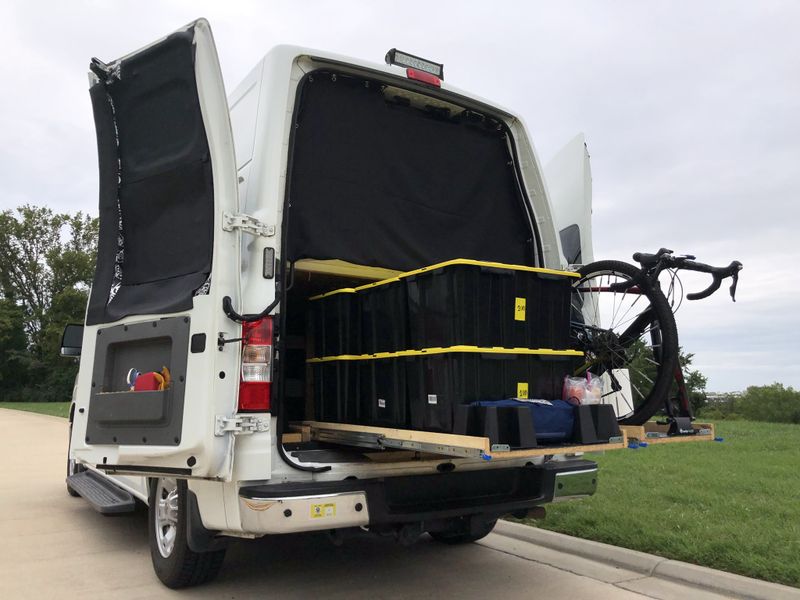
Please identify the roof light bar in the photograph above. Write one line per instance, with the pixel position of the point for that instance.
(404, 59)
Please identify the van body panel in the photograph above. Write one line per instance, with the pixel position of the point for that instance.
(211, 376)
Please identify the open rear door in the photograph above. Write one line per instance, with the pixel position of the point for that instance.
(569, 183)
(167, 175)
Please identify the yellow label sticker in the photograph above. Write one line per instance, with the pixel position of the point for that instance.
(519, 309)
(321, 511)
(522, 390)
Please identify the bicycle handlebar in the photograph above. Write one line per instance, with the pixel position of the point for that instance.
(663, 259)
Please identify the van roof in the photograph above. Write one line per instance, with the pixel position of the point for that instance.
(287, 54)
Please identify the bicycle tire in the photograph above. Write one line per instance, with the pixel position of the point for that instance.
(660, 390)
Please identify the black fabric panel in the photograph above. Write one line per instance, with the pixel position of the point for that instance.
(166, 193)
(107, 238)
(377, 183)
(159, 213)
(163, 296)
(159, 118)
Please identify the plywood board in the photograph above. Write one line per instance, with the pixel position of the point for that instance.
(480, 444)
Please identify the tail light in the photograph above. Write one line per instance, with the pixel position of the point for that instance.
(256, 378)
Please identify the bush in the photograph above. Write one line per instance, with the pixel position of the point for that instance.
(772, 403)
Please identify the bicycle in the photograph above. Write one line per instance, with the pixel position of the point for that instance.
(624, 324)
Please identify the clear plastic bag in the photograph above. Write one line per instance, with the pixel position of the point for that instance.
(583, 390)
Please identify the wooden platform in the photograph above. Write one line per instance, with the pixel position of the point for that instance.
(444, 444)
(653, 433)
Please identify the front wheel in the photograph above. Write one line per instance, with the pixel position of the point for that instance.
(175, 564)
(627, 331)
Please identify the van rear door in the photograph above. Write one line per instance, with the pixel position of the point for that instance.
(569, 183)
(167, 177)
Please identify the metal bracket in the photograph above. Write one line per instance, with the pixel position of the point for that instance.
(246, 223)
(243, 424)
(221, 340)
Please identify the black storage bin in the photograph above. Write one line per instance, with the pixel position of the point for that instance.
(382, 400)
(439, 383)
(335, 324)
(431, 393)
(444, 306)
(536, 376)
(548, 300)
(488, 306)
(336, 391)
(384, 317)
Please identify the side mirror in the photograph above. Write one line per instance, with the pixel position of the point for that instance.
(72, 340)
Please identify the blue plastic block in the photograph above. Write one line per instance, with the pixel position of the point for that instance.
(719, 439)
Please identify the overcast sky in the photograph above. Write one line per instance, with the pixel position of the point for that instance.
(691, 112)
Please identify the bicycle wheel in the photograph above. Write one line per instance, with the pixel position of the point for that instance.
(628, 334)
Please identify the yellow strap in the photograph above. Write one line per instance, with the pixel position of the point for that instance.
(457, 261)
(448, 350)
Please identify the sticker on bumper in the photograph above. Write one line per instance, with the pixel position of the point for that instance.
(321, 511)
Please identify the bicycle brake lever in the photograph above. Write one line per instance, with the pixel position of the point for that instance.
(735, 281)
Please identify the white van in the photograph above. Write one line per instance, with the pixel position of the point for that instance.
(219, 218)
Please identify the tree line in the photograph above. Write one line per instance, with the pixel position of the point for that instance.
(46, 268)
(773, 403)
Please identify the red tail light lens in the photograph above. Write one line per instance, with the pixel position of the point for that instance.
(256, 378)
(423, 77)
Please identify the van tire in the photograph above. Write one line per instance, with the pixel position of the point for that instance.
(175, 564)
(464, 533)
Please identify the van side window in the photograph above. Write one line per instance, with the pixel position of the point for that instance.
(571, 244)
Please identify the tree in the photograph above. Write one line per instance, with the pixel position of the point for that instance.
(13, 348)
(695, 381)
(46, 267)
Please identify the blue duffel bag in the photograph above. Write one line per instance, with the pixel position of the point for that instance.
(553, 420)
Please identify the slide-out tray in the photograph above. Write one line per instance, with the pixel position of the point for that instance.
(446, 444)
(654, 433)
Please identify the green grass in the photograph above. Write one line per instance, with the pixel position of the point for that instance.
(733, 506)
(57, 409)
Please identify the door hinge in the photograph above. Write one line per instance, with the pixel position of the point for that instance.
(243, 424)
(246, 223)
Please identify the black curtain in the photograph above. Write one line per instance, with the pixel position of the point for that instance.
(377, 182)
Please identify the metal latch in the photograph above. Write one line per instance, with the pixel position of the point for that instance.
(243, 424)
(247, 224)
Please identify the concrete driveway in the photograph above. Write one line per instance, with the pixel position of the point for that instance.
(55, 546)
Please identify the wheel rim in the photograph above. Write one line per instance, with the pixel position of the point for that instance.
(166, 515)
(617, 329)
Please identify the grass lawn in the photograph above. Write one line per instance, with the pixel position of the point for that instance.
(733, 506)
(57, 409)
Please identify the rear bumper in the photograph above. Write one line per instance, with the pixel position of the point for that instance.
(392, 501)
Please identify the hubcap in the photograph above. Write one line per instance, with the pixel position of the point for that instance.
(166, 521)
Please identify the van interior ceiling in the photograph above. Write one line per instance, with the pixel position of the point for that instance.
(389, 180)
